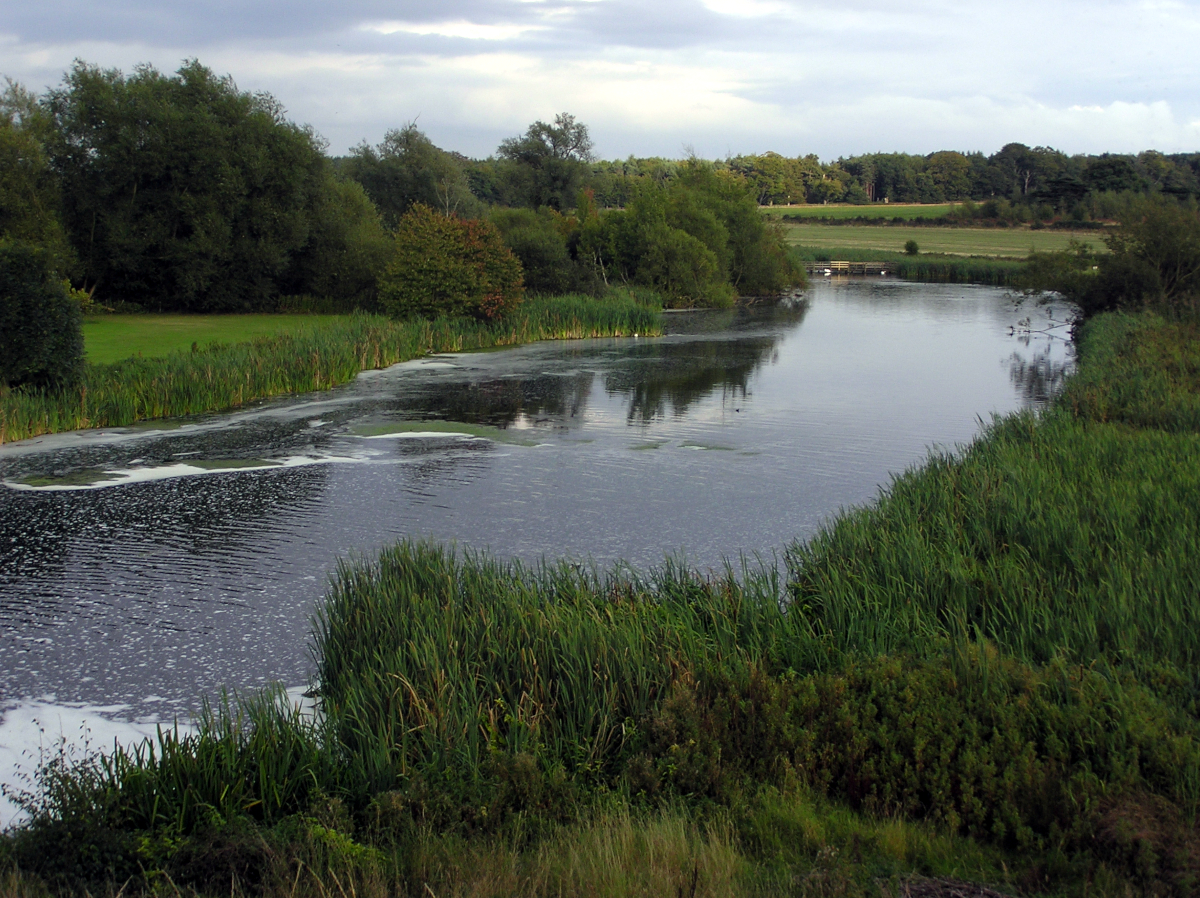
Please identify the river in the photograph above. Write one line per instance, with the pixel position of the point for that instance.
(143, 568)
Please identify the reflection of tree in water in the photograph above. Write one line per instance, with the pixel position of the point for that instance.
(498, 402)
(788, 312)
(653, 373)
(681, 374)
(1040, 379)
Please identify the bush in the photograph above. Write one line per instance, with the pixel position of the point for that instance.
(41, 336)
(444, 266)
(1003, 752)
(683, 268)
(1153, 259)
(911, 248)
(699, 240)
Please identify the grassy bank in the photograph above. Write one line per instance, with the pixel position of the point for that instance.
(316, 356)
(112, 338)
(999, 243)
(990, 674)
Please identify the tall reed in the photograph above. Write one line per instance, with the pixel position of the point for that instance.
(432, 658)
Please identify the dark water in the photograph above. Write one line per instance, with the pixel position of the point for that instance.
(736, 433)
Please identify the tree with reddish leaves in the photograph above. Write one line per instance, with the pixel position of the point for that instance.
(444, 266)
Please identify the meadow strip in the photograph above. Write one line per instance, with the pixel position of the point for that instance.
(319, 357)
(849, 212)
(1009, 243)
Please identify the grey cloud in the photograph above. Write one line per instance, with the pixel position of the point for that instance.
(214, 22)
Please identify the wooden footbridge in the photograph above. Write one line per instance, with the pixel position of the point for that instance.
(833, 269)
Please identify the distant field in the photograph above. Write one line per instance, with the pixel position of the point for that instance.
(1003, 243)
(888, 210)
(110, 338)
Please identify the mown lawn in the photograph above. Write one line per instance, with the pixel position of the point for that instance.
(111, 338)
(1005, 243)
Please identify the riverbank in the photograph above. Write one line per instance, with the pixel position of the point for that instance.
(320, 356)
(925, 268)
(987, 675)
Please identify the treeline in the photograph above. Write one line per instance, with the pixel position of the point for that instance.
(1044, 181)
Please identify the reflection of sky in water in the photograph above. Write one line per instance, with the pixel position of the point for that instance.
(735, 434)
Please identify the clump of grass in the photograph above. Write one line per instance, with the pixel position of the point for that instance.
(313, 358)
(431, 661)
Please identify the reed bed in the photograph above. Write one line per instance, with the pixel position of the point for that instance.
(430, 659)
(316, 358)
(1050, 538)
(1144, 371)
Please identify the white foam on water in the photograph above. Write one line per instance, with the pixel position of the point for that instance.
(125, 476)
(35, 731)
(32, 732)
(423, 435)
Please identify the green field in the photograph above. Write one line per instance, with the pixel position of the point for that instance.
(110, 338)
(1006, 243)
(846, 211)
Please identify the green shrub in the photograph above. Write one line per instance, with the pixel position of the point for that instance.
(41, 336)
(911, 248)
(445, 266)
(683, 268)
(984, 746)
(1153, 259)
(699, 240)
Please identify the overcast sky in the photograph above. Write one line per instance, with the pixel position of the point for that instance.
(660, 77)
